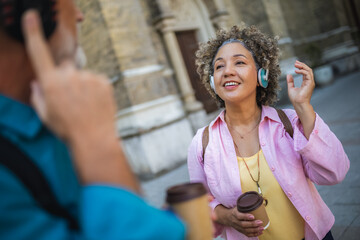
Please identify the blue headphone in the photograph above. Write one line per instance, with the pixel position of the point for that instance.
(263, 79)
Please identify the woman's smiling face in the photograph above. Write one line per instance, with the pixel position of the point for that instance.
(235, 73)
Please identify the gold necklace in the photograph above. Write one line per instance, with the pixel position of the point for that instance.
(256, 181)
(252, 129)
(258, 162)
(242, 136)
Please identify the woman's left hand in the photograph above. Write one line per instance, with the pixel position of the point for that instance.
(301, 95)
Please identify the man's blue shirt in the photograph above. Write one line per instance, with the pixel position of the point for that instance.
(104, 212)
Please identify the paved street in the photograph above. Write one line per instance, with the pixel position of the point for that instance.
(338, 105)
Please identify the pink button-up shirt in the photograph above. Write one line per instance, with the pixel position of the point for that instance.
(296, 163)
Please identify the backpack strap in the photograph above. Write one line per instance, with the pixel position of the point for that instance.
(33, 179)
(286, 122)
(283, 117)
(205, 140)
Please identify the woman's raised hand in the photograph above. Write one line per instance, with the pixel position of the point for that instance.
(301, 95)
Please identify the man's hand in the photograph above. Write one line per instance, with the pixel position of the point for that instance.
(79, 107)
(62, 95)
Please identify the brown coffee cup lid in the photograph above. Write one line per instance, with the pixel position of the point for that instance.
(184, 192)
(249, 201)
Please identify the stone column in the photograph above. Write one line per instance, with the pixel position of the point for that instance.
(151, 121)
(129, 33)
(344, 22)
(279, 27)
(191, 104)
(220, 20)
(165, 24)
(218, 14)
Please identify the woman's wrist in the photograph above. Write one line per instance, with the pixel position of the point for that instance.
(307, 116)
(222, 214)
(302, 107)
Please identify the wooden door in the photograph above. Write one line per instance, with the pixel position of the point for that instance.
(188, 46)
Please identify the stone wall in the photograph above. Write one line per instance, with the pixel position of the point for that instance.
(316, 27)
(252, 12)
(134, 43)
(119, 39)
(97, 43)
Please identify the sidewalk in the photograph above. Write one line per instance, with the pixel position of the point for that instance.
(338, 105)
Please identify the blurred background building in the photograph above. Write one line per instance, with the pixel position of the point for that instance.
(146, 47)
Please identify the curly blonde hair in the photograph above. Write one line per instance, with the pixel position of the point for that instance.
(264, 49)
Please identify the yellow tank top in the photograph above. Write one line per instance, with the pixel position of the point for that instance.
(285, 221)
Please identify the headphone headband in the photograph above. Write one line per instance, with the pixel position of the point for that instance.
(11, 12)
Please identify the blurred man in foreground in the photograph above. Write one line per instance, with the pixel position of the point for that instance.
(91, 190)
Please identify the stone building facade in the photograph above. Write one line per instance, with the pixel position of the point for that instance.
(146, 47)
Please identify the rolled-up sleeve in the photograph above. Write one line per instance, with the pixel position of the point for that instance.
(324, 159)
(114, 213)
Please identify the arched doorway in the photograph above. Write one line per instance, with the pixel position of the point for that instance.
(188, 44)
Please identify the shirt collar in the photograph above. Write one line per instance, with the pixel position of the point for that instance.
(19, 117)
(266, 113)
(270, 113)
(220, 117)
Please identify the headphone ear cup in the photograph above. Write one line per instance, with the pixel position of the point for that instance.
(11, 12)
(263, 77)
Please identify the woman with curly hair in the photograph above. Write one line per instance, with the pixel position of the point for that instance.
(250, 149)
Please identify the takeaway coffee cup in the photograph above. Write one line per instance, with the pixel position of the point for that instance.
(190, 202)
(251, 202)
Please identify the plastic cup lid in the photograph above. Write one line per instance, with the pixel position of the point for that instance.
(184, 192)
(249, 201)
